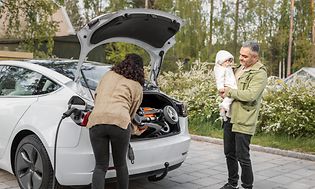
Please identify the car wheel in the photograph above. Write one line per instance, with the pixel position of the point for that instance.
(170, 114)
(32, 168)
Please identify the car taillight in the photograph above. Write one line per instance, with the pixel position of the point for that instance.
(81, 117)
(182, 108)
(85, 118)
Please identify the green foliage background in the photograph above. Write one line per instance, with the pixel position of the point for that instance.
(210, 25)
(289, 109)
(286, 110)
(196, 87)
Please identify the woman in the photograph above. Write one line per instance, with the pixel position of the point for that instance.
(118, 97)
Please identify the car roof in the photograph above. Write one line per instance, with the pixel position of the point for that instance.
(38, 68)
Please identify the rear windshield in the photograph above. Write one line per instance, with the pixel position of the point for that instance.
(93, 72)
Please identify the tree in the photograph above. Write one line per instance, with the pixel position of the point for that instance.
(30, 21)
(302, 55)
(93, 8)
(313, 31)
(227, 24)
(290, 38)
(72, 7)
(267, 14)
(142, 3)
(223, 22)
(192, 37)
(237, 4)
(164, 5)
(210, 26)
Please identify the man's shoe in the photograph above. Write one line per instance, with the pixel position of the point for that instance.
(229, 186)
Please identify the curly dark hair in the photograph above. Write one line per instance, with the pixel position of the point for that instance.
(131, 68)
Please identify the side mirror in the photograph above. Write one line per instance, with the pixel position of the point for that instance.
(77, 103)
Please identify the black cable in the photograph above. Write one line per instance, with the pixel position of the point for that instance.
(64, 115)
(55, 153)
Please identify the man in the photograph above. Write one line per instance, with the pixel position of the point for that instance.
(251, 79)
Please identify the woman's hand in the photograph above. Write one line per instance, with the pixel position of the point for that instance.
(138, 130)
(142, 129)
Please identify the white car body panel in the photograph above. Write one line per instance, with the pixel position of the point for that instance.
(149, 155)
(11, 110)
(54, 106)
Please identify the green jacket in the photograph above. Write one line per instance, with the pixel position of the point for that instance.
(247, 99)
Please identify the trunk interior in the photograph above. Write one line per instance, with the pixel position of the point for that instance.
(154, 113)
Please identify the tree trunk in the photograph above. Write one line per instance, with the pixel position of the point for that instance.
(236, 27)
(313, 33)
(211, 27)
(313, 17)
(146, 4)
(290, 39)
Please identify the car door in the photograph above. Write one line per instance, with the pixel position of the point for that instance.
(17, 87)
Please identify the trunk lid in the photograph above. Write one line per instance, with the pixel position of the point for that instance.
(152, 30)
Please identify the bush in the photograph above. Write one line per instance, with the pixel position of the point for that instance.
(288, 109)
(196, 87)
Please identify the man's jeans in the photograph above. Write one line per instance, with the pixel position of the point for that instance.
(236, 149)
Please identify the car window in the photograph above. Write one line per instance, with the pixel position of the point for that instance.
(92, 72)
(16, 81)
(45, 86)
(7, 85)
(93, 75)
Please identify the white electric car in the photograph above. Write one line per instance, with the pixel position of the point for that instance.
(35, 94)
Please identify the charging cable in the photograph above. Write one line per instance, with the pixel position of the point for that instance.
(64, 115)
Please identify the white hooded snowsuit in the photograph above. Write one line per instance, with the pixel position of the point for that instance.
(224, 76)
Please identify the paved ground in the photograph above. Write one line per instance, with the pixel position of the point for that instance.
(205, 169)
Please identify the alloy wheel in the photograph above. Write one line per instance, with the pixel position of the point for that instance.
(29, 166)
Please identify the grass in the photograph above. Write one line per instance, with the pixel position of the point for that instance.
(304, 145)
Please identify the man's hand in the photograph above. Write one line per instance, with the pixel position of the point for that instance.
(226, 90)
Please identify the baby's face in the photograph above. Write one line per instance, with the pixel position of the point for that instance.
(227, 63)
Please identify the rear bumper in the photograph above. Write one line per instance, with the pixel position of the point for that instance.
(146, 174)
(142, 175)
(75, 165)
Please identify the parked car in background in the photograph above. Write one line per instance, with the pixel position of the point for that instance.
(34, 94)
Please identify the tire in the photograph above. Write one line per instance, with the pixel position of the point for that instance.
(170, 114)
(32, 165)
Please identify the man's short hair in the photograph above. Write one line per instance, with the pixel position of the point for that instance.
(253, 45)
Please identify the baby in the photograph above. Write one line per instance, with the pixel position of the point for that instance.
(224, 76)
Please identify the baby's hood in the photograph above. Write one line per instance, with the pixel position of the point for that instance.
(222, 56)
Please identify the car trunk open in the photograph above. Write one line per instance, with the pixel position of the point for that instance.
(152, 30)
(153, 108)
(155, 104)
